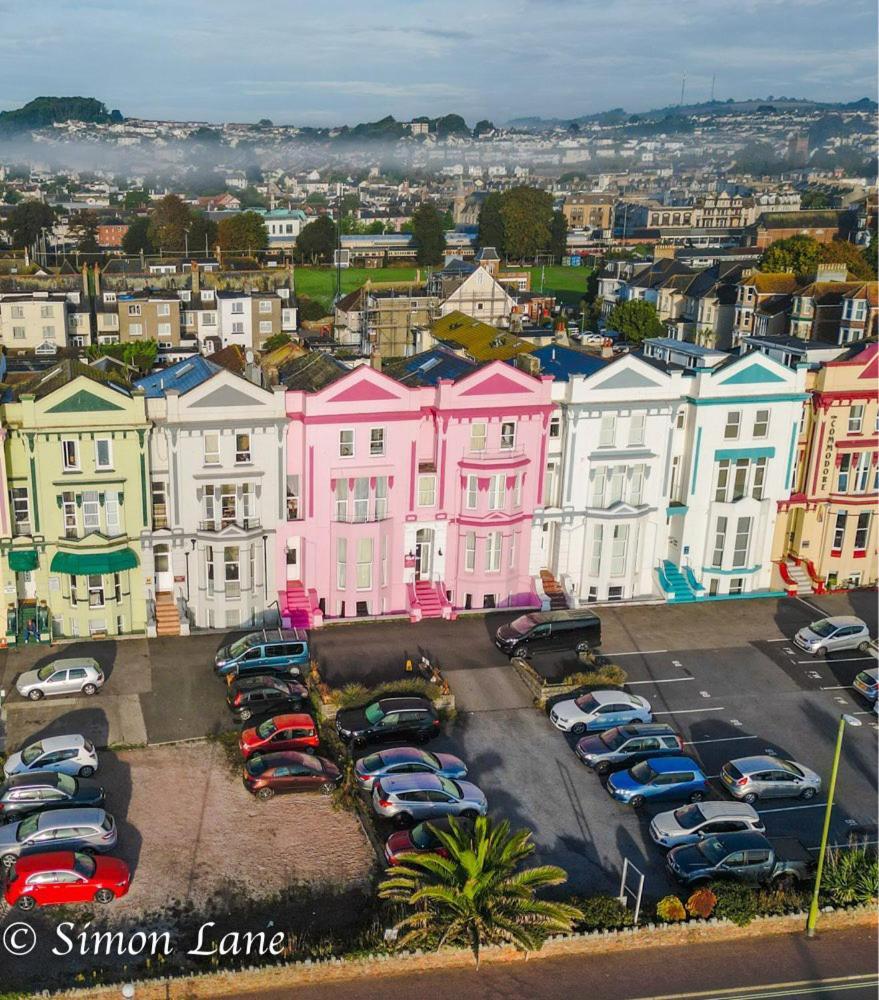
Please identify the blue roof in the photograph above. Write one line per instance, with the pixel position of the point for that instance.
(428, 367)
(182, 376)
(662, 765)
(562, 362)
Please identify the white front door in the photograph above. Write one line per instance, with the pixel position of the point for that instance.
(294, 569)
(26, 586)
(164, 574)
(423, 554)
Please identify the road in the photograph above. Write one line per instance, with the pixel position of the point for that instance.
(834, 966)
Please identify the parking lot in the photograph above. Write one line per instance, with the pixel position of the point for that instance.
(723, 673)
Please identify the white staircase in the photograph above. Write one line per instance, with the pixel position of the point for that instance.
(800, 577)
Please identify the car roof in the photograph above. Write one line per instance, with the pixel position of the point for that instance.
(758, 763)
(648, 729)
(250, 682)
(745, 840)
(662, 765)
(71, 817)
(281, 757)
(714, 809)
(411, 782)
(396, 754)
(840, 620)
(605, 696)
(402, 704)
(59, 742)
(74, 661)
(872, 672)
(27, 864)
(31, 779)
(293, 719)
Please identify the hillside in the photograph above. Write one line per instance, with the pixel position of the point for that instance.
(45, 111)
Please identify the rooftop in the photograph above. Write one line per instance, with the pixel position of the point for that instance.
(182, 377)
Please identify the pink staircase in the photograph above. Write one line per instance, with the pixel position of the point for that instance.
(299, 608)
(427, 599)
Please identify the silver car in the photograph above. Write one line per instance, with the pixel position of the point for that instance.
(406, 760)
(57, 830)
(78, 675)
(410, 798)
(833, 634)
(765, 777)
(74, 755)
(692, 822)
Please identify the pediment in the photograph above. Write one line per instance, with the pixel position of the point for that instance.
(628, 378)
(754, 373)
(223, 396)
(363, 391)
(496, 385)
(83, 401)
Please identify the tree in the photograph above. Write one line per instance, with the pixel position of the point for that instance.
(83, 228)
(251, 198)
(137, 239)
(491, 224)
(135, 199)
(635, 320)
(169, 220)
(317, 240)
(202, 234)
(558, 236)
(841, 252)
(527, 216)
(478, 895)
(428, 234)
(243, 233)
(796, 254)
(27, 220)
(276, 340)
(815, 199)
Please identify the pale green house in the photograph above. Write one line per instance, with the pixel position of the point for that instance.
(76, 475)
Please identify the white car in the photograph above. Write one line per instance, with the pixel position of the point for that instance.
(689, 824)
(73, 755)
(830, 635)
(599, 710)
(76, 675)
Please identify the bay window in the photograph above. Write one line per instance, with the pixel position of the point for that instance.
(493, 552)
(839, 532)
(719, 542)
(381, 498)
(496, 491)
(618, 549)
(862, 531)
(364, 564)
(232, 571)
(341, 563)
(341, 499)
(470, 551)
(427, 491)
(595, 559)
(472, 493)
(742, 542)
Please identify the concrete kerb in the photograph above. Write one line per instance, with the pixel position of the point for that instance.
(321, 971)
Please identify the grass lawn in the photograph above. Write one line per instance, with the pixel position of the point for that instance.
(567, 283)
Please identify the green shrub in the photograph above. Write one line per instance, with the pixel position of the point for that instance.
(357, 695)
(735, 902)
(671, 910)
(345, 794)
(611, 675)
(776, 901)
(602, 913)
(701, 903)
(850, 876)
(352, 695)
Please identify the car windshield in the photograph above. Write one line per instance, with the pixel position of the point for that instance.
(373, 713)
(587, 703)
(713, 849)
(372, 763)
(451, 788)
(613, 738)
(239, 646)
(789, 765)
(84, 865)
(44, 673)
(266, 728)
(30, 754)
(824, 627)
(422, 838)
(643, 772)
(688, 817)
(27, 827)
(867, 677)
(256, 765)
(66, 784)
(522, 624)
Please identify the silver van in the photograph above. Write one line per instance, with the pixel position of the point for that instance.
(57, 830)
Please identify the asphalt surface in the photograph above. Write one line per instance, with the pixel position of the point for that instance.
(834, 966)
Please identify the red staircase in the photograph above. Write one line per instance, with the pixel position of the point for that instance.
(299, 607)
(427, 599)
(553, 590)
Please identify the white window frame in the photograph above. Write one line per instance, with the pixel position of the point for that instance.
(103, 466)
(619, 550)
(243, 448)
(733, 426)
(595, 556)
(744, 528)
(70, 454)
(365, 558)
(607, 431)
(346, 442)
(497, 489)
(341, 563)
(211, 456)
(478, 436)
(469, 551)
(761, 424)
(376, 441)
(508, 435)
(856, 418)
(720, 528)
(637, 429)
(493, 546)
(471, 492)
(426, 497)
(341, 499)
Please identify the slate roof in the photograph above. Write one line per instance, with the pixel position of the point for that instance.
(40, 384)
(182, 376)
(563, 362)
(428, 367)
(311, 372)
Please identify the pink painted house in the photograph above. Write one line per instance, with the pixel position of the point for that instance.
(411, 499)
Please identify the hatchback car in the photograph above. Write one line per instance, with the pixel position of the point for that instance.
(867, 682)
(72, 754)
(659, 779)
(691, 823)
(833, 634)
(408, 798)
(262, 693)
(599, 710)
(421, 839)
(624, 746)
(63, 877)
(36, 791)
(65, 829)
(389, 720)
(766, 777)
(283, 732)
(80, 675)
(270, 774)
(407, 760)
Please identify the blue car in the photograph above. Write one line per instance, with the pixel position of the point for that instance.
(659, 779)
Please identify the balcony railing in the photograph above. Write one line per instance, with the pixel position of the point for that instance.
(22, 528)
(494, 454)
(219, 523)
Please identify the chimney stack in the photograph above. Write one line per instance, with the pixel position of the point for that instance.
(96, 272)
(375, 359)
(85, 280)
(195, 278)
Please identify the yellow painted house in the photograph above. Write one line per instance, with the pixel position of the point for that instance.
(74, 504)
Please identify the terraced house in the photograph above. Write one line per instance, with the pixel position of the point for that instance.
(76, 467)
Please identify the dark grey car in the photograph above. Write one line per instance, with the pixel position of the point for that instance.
(36, 791)
(624, 746)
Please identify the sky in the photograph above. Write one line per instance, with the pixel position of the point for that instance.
(344, 61)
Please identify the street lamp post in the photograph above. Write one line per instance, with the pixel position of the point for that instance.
(844, 720)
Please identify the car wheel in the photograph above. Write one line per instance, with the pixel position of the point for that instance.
(8, 860)
(310, 751)
(26, 903)
(89, 689)
(697, 796)
(578, 728)
(245, 715)
(602, 768)
(864, 647)
(807, 793)
(35, 695)
(520, 652)
(327, 788)
(821, 652)
(422, 738)
(403, 820)
(87, 771)
(785, 882)
(750, 798)
(636, 801)
(469, 814)
(264, 794)
(104, 896)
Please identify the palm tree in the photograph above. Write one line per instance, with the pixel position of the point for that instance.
(478, 895)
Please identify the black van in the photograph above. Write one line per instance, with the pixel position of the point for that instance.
(542, 631)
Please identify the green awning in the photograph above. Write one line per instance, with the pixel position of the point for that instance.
(88, 563)
(22, 560)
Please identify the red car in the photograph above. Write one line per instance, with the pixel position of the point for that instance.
(283, 732)
(268, 774)
(61, 877)
(421, 839)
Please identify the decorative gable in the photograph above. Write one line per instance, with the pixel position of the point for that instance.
(225, 395)
(753, 374)
(83, 402)
(363, 391)
(627, 378)
(496, 385)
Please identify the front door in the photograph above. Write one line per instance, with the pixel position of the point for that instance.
(423, 554)
(294, 571)
(26, 586)
(162, 563)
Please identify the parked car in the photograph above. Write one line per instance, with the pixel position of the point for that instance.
(624, 746)
(833, 634)
(407, 760)
(745, 857)
(867, 682)
(65, 829)
(36, 791)
(260, 694)
(389, 719)
(690, 823)
(544, 631)
(72, 754)
(767, 777)
(283, 732)
(599, 710)
(659, 779)
(421, 839)
(76, 675)
(63, 877)
(270, 774)
(275, 651)
(409, 798)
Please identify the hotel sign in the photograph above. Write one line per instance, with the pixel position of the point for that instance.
(829, 448)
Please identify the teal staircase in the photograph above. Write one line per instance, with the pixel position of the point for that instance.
(677, 586)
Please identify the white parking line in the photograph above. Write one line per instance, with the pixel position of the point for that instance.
(720, 739)
(637, 652)
(691, 711)
(844, 659)
(784, 809)
(666, 680)
(811, 607)
(840, 687)
(857, 840)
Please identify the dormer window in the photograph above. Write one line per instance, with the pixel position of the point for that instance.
(109, 297)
